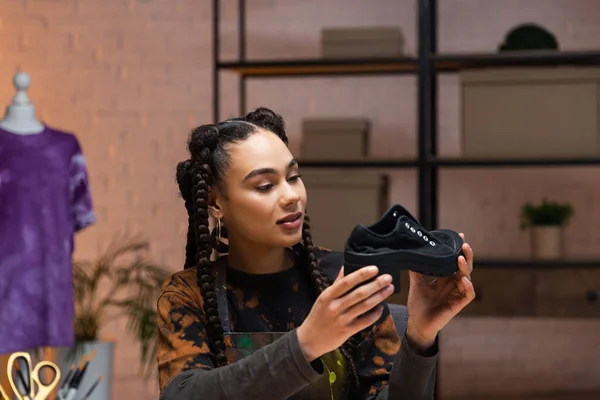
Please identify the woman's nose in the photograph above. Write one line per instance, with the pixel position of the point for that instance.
(289, 196)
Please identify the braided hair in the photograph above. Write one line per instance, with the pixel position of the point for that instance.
(208, 161)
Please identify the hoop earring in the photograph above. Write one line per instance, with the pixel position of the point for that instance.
(218, 230)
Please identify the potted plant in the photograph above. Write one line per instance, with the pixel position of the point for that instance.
(546, 222)
(121, 282)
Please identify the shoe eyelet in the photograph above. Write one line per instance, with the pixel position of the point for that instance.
(419, 233)
(406, 225)
(425, 238)
(413, 230)
(432, 243)
(395, 214)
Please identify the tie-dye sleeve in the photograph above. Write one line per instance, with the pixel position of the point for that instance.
(82, 212)
(182, 338)
(389, 368)
(375, 355)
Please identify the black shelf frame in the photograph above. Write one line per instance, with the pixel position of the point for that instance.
(322, 67)
(427, 65)
(508, 263)
(454, 162)
(444, 63)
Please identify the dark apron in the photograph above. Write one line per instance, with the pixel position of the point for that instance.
(333, 384)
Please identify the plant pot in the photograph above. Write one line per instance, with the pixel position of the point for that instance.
(547, 242)
(101, 365)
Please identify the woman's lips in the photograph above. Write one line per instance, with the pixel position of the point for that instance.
(291, 221)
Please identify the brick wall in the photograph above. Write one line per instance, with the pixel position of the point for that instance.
(131, 77)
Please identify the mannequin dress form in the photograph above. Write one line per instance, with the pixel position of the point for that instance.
(20, 115)
(45, 198)
(19, 119)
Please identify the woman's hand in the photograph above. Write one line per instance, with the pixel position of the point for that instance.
(338, 312)
(432, 304)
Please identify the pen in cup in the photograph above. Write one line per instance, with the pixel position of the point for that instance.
(65, 383)
(77, 378)
(62, 392)
(89, 392)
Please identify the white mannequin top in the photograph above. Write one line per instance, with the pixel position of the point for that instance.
(20, 115)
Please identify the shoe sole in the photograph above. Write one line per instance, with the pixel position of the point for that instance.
(393, 262)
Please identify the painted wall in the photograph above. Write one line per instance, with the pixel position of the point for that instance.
(132, 77)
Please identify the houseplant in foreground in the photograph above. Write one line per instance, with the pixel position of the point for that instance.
(121, 282)
(546, 222)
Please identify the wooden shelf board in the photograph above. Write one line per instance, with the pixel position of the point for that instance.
(452, 162)
(406, 65)
(409, 64)
(522, 161)
(458, 62)
(508, 263)
(366, 163)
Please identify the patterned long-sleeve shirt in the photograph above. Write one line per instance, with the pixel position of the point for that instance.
(275, 302)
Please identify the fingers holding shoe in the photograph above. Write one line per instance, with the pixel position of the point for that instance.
(468, 254)
(465, 269)
(366, 297)
(462, 296)
(465, 261)
(348, 306)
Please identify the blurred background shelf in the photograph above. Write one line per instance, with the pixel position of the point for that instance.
(367, 163)
(322, 67)
(546, 396)
(452, 162)
(461, 162)
(515, 263)
(425, 65)
(507, 287)
(408, 65)
(458, 62)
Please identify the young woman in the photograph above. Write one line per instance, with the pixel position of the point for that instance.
(276, 318)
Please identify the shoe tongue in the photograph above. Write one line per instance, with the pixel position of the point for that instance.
(398, 235)
(405, 224)
(409, 232)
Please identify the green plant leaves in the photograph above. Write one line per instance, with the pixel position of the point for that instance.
(134, 284)
(547, 213)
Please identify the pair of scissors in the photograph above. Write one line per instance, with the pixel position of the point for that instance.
(23, 378)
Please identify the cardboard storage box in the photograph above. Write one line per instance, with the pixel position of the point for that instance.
(362, 42)
(338, 200)
(530, 112)
(335, 138)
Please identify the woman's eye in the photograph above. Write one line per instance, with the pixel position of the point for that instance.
(269, 186)
(264, 188)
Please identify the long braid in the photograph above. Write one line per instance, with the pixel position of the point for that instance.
(202, 179)
(185, 187)
(322, 282)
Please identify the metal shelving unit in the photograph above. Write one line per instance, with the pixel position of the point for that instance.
(427, 65)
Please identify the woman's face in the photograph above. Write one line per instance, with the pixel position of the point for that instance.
(265, 198)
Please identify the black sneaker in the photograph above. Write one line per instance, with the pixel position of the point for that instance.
(397, 241)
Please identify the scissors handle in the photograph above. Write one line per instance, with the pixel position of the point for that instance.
(44, 390)
(3, 394)
(20, 379)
